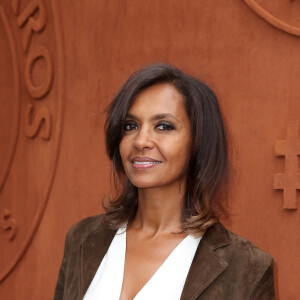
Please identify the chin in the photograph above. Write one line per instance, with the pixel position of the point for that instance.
(143, 185)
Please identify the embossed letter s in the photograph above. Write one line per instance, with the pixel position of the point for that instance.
(42, 117)
(8, 223)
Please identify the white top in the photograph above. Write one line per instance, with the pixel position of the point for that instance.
(166, 283)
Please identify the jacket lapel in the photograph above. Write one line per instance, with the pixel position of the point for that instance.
(93, 249)
(207, 265)
(205, 268)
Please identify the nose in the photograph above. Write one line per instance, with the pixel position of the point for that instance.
(143, 140)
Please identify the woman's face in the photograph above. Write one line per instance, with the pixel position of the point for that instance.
(157, 138)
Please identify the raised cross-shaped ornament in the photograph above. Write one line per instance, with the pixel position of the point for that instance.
(289, 181)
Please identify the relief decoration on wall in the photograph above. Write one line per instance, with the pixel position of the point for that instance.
(283, 15)
(31, 114)
(289, 181)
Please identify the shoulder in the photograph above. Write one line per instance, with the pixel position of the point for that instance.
(81, 230)
(239, 269)
(245, 251)
(240, 255)
(240, 244)
(88, 224)
(234, 246)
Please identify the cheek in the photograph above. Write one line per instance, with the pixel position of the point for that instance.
(184, 151)
(123, 149)
(178, 151)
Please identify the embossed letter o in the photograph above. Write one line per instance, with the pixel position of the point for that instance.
(40, 91)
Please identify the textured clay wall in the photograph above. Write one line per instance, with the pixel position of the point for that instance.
(61, 62)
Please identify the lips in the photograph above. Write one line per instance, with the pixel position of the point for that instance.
(144, 162)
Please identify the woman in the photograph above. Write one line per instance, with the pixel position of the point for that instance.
(161, 238)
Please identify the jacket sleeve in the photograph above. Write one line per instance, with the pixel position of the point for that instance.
(60, 285)
(264, 289)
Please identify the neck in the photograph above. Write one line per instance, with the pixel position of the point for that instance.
(159, 210)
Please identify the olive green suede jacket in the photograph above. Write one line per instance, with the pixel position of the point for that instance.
(225, 265)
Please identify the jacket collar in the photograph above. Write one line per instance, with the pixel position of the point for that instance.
(205, 268)
(93, 249)
(206, 265)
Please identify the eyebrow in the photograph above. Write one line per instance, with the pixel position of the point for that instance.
(155, 117)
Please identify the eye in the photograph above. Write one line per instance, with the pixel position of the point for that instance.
(130, 125)
(165, 126)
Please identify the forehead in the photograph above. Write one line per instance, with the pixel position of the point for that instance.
(157, 99)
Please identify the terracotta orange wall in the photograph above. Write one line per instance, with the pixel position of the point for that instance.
(57, 78)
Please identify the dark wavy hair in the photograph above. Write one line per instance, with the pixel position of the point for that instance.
(207, 168)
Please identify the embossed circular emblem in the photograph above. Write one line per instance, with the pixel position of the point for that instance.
(10, 97)
(283, 15)
(31, 106)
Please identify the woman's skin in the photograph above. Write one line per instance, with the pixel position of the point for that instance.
(154, 149)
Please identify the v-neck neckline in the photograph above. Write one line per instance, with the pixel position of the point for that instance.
(161, 269)
(166, 283)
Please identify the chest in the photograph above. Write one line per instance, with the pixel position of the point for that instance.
(143, 271)
(143, 259)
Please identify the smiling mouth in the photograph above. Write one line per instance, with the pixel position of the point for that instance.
(144, 162)
(142, 165)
